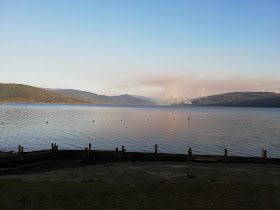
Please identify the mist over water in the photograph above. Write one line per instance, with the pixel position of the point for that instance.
(243, 131)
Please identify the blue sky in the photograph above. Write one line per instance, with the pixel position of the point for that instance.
(155, 48)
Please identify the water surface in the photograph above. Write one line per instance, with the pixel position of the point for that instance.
(243, 131)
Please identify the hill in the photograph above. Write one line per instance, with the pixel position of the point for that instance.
(153, 101)
(241, 99)
(102, 99)
(18, 93)
(132, 100)
(86, 96)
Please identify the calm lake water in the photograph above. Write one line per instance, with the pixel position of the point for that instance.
(243, 131)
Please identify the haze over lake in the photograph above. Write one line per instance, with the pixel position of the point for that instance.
(243, 131)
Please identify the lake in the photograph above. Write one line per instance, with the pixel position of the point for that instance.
(243, 131)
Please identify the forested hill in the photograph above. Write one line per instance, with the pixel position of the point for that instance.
(103, 99)
(18, 93)
(241, 99)
(86, 96)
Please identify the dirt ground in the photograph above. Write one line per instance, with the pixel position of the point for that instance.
(165, 172)
(143, 185)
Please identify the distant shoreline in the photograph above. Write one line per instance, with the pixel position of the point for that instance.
(82, 104)
(216, 105)
(8, 102)
(172, 105)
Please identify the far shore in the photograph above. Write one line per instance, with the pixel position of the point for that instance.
(28, 102)
(171, 105)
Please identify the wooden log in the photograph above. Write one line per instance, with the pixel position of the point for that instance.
(7, 169)
(37, 163)
(205, 160)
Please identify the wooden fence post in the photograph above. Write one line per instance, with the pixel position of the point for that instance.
(264, 154)
(190, 153)
(85, 155)
(21, 153)
(117, 153)
(89, 149)
(225, 156)
(123, 152)
(155, 148)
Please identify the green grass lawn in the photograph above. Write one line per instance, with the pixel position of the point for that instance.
(17, 194)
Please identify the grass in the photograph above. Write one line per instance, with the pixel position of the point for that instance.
(17, 194)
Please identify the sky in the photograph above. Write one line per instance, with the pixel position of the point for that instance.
(173, 49)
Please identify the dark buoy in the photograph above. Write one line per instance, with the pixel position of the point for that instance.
(121, 120)
(93, 121)
(174, 119)
(47, 122)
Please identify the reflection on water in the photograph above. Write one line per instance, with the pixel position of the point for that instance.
(243, 131)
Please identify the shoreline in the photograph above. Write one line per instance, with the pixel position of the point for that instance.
(89, 179)
(22, 160)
